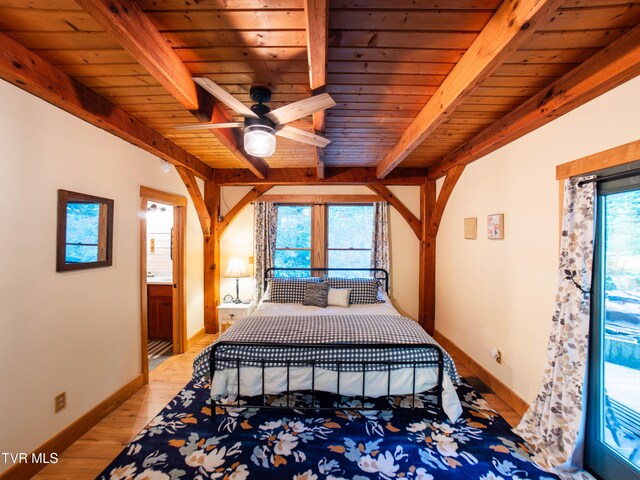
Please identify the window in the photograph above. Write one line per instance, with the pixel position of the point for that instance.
(323, 236)
(293, 239)
(350, 228)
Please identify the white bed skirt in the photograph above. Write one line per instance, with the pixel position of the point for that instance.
(225, 383)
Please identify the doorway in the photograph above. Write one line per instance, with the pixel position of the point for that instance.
(162, 276)
(613, 413)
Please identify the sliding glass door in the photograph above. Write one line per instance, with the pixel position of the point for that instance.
(613, 414)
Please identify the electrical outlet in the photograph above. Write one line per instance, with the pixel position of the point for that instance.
(60, 401)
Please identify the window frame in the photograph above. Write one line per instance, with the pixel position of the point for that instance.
(319, 249)
(327, 249)
(311, 242)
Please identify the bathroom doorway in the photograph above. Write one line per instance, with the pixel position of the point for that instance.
(162, 273)
(159, 282)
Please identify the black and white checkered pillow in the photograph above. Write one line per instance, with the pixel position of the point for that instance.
(363, 290)
(289, 290)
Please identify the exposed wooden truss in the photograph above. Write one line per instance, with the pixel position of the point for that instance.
(414, 222)
(385, 61)
(333, 176)
(449, 184)
(612, 66)
(431, 210)
(427, 267)
(321, 199)
(251, 196)
(422, 85)
(211, 252)
(196, 197)
(512, 24)
(125, 21)
(129, 25)
(28, 71)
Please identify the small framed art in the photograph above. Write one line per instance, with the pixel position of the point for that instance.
(495, 226)
(470, 228)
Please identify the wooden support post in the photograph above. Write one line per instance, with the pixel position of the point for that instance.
(212, 259)
(431, 211)
(427, 275)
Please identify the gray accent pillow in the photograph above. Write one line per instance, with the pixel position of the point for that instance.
(316, 294)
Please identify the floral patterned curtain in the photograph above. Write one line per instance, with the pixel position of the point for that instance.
(265, 222)
(553, 422)
(380, 238)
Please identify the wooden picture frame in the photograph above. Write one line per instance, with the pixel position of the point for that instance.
(89, 219)
(471, 228)
(495, 226)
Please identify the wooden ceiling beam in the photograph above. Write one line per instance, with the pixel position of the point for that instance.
(316, 14)
(127, 23)
(28, 71)
(333, 176)
(610, 67)
(512, 24)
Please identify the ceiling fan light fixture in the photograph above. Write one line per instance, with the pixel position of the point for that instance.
(259, 140)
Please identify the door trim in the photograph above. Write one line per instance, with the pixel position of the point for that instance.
(179, 204)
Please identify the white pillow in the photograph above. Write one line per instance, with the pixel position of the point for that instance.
(338, 297)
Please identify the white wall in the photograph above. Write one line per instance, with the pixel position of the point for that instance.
(502, 292)
(405, 248)
(77, 332)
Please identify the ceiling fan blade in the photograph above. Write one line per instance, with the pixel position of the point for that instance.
(301, 108)
(303, 136)
(225, 97)
(209, 126)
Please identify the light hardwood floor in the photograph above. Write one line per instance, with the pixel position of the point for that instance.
(87, 457)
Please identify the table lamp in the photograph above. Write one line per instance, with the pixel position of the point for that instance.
(236, 269)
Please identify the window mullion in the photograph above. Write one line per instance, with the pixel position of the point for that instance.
(318, 236)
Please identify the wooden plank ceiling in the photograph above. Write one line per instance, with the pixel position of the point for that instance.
(385, 60)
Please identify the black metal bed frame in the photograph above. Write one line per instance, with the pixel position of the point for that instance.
(379, 274)
(216, 356)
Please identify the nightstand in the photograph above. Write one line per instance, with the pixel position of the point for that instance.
(230, 312)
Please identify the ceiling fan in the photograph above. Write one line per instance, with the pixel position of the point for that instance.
(261, 124)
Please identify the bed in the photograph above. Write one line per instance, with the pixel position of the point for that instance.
(366, 350)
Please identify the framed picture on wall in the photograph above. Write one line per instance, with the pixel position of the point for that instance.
(495, 226)
(470, 228)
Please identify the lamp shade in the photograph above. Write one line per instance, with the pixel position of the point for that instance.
(259, 140)
(236, 268)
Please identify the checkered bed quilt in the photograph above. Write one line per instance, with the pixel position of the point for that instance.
(342, 329)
